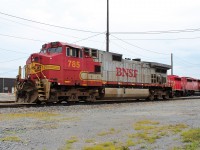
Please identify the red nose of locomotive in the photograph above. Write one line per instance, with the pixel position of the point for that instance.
(43, 65)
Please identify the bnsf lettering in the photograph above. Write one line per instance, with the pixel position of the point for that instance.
(126, 72)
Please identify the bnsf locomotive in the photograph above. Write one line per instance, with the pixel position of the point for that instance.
(67, 72)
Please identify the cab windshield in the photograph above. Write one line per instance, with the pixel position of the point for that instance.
(44, 51)
(54, 50)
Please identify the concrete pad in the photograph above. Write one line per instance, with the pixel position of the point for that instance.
(7, 97)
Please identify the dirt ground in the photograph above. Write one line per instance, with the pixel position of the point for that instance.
(132, 125)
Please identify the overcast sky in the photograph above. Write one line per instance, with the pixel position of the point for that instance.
(19, 38)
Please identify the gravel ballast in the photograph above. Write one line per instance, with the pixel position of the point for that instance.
(81, 125)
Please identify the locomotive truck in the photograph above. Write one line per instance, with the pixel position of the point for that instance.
(67, 72)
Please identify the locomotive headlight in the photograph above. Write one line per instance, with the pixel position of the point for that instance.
(35, 59)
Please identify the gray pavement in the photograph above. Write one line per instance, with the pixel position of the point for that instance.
(7, 97)
(82, 125)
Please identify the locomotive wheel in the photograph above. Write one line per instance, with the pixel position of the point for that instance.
(38, 102)
(17, 99)
(32, 96)
(165, 97)
(91, 98)
(151, 97)
(72, 98)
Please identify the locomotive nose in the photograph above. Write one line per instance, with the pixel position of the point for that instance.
(35, 58)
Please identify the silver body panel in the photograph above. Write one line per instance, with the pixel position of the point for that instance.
(146, 71)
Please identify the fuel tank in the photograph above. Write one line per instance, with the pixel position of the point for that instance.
(126, 93)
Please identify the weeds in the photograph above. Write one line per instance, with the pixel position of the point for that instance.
(192, 137)
(150, 131)
(130, 143)
(107, 146)
(34, 115)
(69, 143)
(111, 131)
(89, 141)
(11, 139)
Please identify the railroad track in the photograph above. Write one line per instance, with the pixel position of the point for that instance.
(12, 104)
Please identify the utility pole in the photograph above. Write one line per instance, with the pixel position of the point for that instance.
(107, 33)
(3, 85)
(171, 64)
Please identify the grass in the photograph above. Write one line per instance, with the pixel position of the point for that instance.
(89, 141)
(145, 125)
(111, 131)
(107, 146)
(112, 145)
(146, 132)
(34, 115)
(12, 131)
(144, 122)
(69, 143)
(149, 131)
(130, 143)
(11, 139)
(62, 119)
(192, 135)
(192, 138)
(47, 126)
(144, 136)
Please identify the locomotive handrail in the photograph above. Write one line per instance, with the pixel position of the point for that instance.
(43, 75)
(36, 75)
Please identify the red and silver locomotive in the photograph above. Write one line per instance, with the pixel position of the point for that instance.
(183, 86)
(67, 72)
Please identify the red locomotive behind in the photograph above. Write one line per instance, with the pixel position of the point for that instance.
(183, 86)
(67, 72)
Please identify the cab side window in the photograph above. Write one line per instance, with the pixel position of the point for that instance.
(68, 52)
(74, 52)
(87, 52)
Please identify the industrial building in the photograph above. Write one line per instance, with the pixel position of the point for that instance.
(7, 85)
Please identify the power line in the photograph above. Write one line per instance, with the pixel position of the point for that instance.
(23, 38)
(123, 47)
(160, 32)
(8, 71)
(12, 60)
(180, 64)
(12, 51)
(186, 62)
(47, 23)
(88, 37)
(134, 52)
(39, 28)
(50, 31)
(190, 38)
(144, 32)
(81, 39)
(139, 47)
